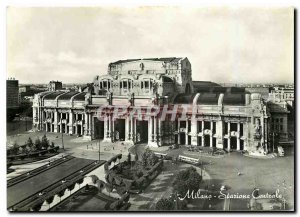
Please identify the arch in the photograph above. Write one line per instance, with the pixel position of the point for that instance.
(167, 79)
(188, 88)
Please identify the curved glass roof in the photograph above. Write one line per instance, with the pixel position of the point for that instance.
(67, 96)
(184, 99)
(208, 99)
(53, 95)
(234, 99)
(80, 97)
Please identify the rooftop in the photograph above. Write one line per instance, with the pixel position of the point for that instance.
(67, 96)
(165, 59)
(53, 95)
(80, 97)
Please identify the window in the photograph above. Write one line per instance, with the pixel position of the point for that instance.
(214, 127)
(225, 127)
(241, 129)
(182, 124)
(281, 120)
(281, 127)
(146, 84)
(233, 126)
(206, 125)
(142, 84)
(124, 84)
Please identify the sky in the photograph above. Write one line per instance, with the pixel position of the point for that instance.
(223, 44)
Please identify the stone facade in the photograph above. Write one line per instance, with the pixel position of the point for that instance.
(233, 121)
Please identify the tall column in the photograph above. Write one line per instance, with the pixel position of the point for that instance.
(194, 130)
(246, 135)
(228, 136)
(238, 144)
(262, 123)
(61, 130)
(90, 124)
(108, 127)
(202, 138)
(186, 132)
(220, 134)
(154, 129)
(150, 129)
(66, 126)
(211, 134)
(159, 139)
(55, 121)
(113, 129)
(105, 127)
(46, 124)
(135, 133)
(71, 123)
(131, 128)
(85, 124)
(178, 132)
(127, 128)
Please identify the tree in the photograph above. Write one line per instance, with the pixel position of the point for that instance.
(165, 204)
(129, 159)
(37, 144)
(15, 149)
(136, 157)
(94, 178)
(45, 142)
(29, 143)
(52, 145)
(149, 158)
(24, 150)
(109, 188)
(187, 180)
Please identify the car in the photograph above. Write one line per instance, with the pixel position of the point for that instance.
(280, 151)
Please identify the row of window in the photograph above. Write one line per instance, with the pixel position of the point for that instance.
(126, 84)
(207, 125)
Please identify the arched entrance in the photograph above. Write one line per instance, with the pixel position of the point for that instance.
(187, 88)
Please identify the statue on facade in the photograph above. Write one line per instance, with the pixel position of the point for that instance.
(87, 99)
(130, 97)
(109, 97)
(257, 129)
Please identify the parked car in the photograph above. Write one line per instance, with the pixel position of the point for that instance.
(280, 151)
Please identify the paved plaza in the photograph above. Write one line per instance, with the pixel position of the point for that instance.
(266, 174)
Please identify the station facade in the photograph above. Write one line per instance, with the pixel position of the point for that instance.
(212, 117)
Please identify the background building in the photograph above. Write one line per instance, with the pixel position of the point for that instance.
(55, 85)
(12, 98)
